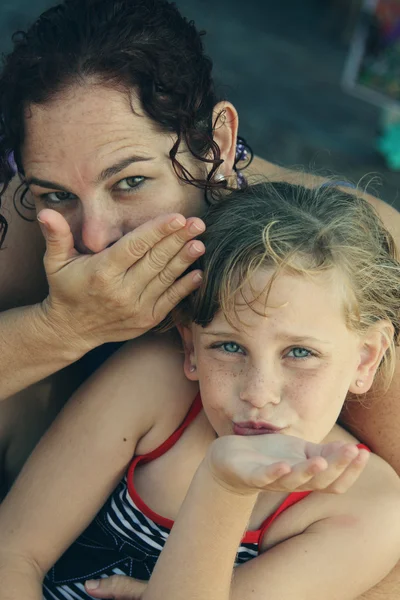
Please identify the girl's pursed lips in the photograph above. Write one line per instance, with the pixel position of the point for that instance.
(255, 428)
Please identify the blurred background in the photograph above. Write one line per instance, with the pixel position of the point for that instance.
(281, 62)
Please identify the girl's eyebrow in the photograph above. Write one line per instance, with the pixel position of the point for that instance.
(297, 339)
(218, 333)
(104, 175)
(293, 339)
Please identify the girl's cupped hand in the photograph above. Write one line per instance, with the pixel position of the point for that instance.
(283, 463)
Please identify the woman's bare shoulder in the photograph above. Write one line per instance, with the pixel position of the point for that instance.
(22, 276)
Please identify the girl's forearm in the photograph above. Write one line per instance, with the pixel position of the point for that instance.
(19, 580)
(30, 349)
(198, 559)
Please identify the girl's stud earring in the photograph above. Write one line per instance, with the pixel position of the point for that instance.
(359, 383)
(192, 369)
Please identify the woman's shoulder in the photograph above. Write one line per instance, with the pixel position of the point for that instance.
(262, 169)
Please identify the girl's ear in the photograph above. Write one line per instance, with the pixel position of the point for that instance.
(189, 365)
(373, 347)
(225, 131)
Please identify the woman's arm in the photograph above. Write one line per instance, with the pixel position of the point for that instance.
(340, 545)
(83, 456)
(115, 295)
(376, 420)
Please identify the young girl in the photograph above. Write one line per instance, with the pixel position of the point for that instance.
(299, 308)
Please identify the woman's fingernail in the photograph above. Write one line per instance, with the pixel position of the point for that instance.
(41, 222)
(195, 248)
(197, 277)
(194, 228)
(177, 223)
(92, 584)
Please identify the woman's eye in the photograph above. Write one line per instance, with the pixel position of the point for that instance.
(58, 197)
(299, 352)
(231, 348)
(129, 183)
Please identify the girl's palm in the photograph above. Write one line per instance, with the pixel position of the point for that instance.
(282, 463)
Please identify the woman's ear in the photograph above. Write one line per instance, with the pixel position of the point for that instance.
(225, 131)
(189, 365)
(374, 344)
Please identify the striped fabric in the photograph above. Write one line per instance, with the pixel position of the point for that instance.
(126, 537)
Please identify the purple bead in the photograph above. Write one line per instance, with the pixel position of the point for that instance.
(11, 162)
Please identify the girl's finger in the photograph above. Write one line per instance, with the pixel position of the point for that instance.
(337, 464)
(261, 476)
(351, 474)
(303, 473)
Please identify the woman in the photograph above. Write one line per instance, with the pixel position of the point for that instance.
(110, 111)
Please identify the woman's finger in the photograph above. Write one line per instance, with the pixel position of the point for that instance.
(119, 587)
(175, 293)
(173, 270)
(133, 246)
(168, 259)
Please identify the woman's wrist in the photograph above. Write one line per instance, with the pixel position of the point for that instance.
(61, 331)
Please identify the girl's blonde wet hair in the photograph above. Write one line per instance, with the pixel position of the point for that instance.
(304, 231)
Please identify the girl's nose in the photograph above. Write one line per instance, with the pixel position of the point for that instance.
(261, 388)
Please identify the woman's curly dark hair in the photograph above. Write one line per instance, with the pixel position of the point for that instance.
(141, 44)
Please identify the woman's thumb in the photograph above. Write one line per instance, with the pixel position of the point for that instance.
(58, 236)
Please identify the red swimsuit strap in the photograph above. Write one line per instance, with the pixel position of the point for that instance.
(162, 449)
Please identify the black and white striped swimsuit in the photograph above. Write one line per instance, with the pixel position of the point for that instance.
(126, 537)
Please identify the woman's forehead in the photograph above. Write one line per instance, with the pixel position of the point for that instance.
(92, 121)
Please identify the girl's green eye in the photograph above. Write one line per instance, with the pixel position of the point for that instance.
(129, 183)
(231, 347)
(299, 352)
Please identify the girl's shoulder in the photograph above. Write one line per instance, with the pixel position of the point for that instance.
(369, 508)
(147, 380)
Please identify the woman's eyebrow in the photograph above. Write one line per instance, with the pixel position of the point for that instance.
(104, 175)
(120, 166)
(45, 184)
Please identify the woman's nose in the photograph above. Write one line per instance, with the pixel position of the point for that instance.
(261, 387)
(100, 229)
